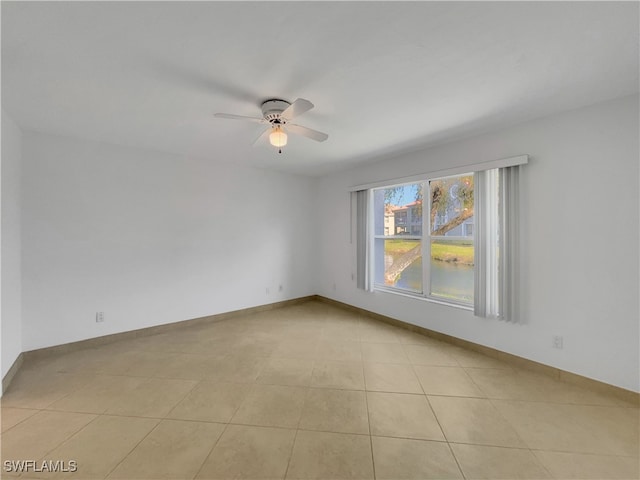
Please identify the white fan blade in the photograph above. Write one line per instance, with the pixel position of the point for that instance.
(240, 117)
(263, 136)
(306, 132)
(297, 108)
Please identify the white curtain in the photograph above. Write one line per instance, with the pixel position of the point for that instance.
(509, 287)
(486, 301)
(362, 243)
(496, 244)
(479, 241)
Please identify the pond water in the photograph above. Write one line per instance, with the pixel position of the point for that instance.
(448, 280)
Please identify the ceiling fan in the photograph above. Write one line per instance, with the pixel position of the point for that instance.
(277, 114)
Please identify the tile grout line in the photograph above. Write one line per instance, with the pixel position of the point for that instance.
(544, 467)
(219, 438)
(24, 419)
(513, 427)
(206, 457)
(69, 437)
(611, 455)
(444, 434)
(193, 387)
(373, 460)
(133, 448)
(474, 383)
(295, 435)
(160, 420)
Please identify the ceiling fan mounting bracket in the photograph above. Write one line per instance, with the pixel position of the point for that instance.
(272, 110)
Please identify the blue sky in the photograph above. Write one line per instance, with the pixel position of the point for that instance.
(407, 194)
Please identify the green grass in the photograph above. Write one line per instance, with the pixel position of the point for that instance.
(453, 251)
(460, 253)
(398, 247)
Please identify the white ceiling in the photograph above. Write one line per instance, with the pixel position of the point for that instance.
(385, 77)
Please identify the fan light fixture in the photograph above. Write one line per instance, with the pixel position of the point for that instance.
(278, 138)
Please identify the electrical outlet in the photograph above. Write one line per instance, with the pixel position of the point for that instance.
(557, 341)
(267, 290)
(280, 288)
(99, 317)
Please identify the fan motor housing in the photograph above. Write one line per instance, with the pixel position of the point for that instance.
(272, 109)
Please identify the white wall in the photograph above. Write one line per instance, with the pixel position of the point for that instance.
(580, 225)
(150, 238)
(10, 313)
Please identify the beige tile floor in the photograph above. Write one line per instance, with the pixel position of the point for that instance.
(308, 392)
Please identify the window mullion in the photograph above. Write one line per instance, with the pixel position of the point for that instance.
(426, 240)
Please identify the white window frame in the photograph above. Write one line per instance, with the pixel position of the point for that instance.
(425, 240)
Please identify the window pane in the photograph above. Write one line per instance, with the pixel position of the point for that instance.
(452, 269)
(452, 206)
(451, 227)
(398, 210)
(401, 265)
(398, 231)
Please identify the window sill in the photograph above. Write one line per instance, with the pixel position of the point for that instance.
(418, 296)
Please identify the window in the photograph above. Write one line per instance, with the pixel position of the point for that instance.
(399, 246)
(452, 237)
